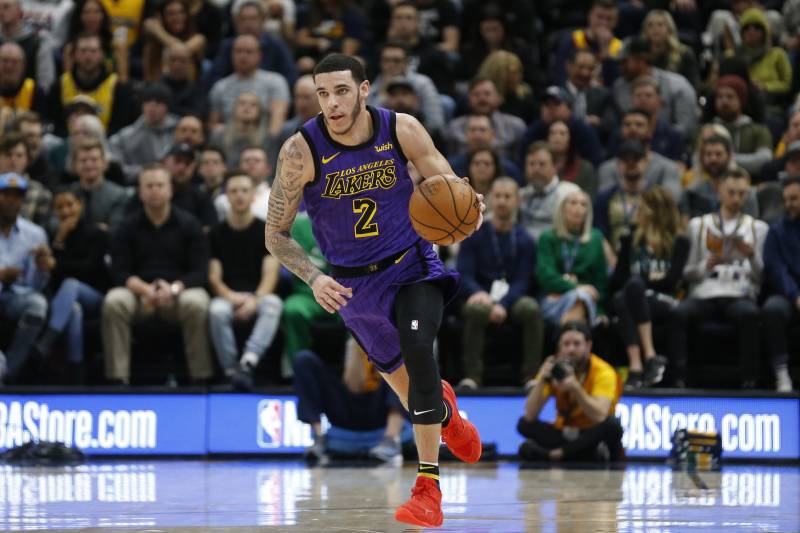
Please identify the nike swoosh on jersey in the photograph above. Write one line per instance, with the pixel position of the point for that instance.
(417, 413)
(326, 160)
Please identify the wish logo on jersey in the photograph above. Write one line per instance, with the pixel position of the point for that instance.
(362, 178)
(270, 423)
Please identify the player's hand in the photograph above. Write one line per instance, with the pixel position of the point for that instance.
(480, 201)
(330, 294)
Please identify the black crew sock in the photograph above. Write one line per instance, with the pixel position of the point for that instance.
(430, 470)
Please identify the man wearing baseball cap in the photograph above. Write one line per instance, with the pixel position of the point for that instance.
(586, 390)
(25, 263)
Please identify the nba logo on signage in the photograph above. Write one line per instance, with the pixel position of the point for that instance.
(270, 423)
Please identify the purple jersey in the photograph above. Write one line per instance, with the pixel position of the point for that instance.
(358, 201)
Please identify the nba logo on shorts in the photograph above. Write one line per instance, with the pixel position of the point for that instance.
(270, 423)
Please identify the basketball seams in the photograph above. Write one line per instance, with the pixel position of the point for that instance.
(453, 199)
(432, 211)
(436, 209)
(435, 228)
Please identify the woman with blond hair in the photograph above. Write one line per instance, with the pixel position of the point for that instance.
(667, 52)
(645, 282)
(505, 70)
(572, 268)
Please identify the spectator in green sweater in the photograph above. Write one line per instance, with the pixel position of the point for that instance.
(572, 265)
(752, 142)
(770, 68)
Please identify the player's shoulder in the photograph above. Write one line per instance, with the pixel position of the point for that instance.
(409, 130)
(295, 143)
(296, 159)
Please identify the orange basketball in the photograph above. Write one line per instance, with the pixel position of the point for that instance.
(444, 209)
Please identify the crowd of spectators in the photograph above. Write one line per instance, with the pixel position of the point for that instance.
(640, 159)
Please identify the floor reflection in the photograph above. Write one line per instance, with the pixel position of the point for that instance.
(289, 496)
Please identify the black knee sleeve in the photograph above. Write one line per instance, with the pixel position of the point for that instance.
(418, 315)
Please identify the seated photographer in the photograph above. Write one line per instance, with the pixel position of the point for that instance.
(586, 390)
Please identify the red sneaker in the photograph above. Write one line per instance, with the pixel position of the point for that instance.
(461, 436)
(424, 508)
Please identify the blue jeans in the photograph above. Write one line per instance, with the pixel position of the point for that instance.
(73, 300)
(220, 318)
(28, 309)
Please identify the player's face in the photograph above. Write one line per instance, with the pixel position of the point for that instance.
(341, 99)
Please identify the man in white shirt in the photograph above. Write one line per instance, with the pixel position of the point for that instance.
(724, 272)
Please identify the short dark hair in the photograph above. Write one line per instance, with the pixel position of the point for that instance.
(238, 173)
(217, 149)
(10, 140)
(477, 80)
(789, 181)
(575, 325)
(607, 4)
(338, 62)
(638, 111)
(153, 167)
(539, 146)
(66, 189)
(395, 44)
(718, 139)
(254, 147)
(578, 51)
(25, 116)
(736, 173)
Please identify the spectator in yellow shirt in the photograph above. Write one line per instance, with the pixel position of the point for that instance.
(586, 390)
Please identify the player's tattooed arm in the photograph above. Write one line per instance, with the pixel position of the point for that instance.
(293, 171)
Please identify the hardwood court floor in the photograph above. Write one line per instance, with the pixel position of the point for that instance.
(242, 496)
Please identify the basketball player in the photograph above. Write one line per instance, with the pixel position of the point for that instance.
(349, 166)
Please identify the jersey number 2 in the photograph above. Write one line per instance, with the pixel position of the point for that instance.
(365, 227)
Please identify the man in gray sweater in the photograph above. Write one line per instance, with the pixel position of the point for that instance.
(104, 201)
(394, 63)
(638, 126)
(148, 139)
(679, 97)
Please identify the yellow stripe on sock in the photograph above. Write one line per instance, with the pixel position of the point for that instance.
(425, 474)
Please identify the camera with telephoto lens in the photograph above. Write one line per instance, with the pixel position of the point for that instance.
(560, 370)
